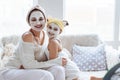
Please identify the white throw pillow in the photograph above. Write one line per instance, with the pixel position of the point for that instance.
(112, 56)
(8, 50)
(90, 58)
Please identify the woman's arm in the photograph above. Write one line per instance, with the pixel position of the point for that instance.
(28, 60)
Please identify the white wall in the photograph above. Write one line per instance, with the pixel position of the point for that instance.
(53, 8)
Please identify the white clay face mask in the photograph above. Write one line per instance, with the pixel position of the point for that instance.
(37, 21)
(53, 30)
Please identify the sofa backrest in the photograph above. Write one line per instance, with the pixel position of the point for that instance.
(67, 40)
(83, 40)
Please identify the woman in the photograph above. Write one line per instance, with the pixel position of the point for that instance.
(29, 61)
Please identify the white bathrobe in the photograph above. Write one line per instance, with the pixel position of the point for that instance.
(71, 69)
(25, 55)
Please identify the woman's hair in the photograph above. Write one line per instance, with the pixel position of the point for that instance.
(36, 8)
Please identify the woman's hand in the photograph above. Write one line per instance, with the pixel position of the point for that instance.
(64, 61)
(21, 67)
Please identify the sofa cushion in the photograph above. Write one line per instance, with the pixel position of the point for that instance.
(90, 58)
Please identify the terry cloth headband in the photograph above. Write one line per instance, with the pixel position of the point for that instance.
(56, 21)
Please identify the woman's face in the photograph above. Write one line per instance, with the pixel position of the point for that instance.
(37, 20)
(53, 30)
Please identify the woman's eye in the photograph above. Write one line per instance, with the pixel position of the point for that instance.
(50, 27)
(33, 19)
(40, 19)
(55, 29)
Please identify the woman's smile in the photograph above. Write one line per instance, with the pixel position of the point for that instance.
(39, 26)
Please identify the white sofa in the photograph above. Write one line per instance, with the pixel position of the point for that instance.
(112, 55)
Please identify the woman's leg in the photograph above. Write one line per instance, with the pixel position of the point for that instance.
(58, 72)
(21, 74)
(108, 74)
(95, 78)
(75, 79)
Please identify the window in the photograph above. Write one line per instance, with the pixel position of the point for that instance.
(13, 16)
(93, 17)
